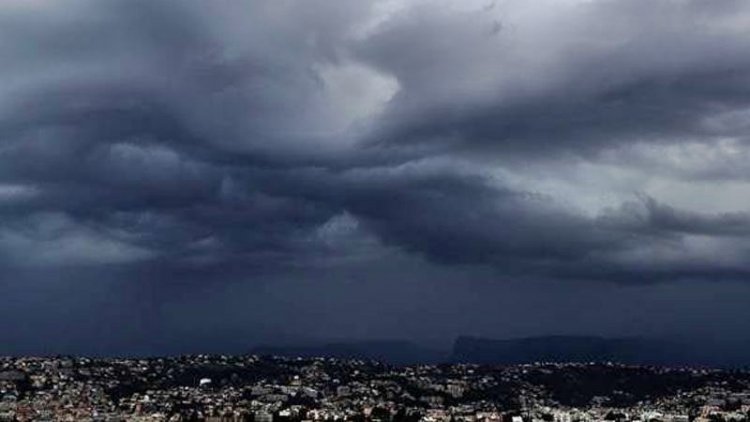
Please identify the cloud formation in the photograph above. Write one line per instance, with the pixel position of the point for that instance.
(570, 140)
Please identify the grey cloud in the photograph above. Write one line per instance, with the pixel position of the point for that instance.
(650, 215)
(597, 75)
(180, 136)
(203, 177)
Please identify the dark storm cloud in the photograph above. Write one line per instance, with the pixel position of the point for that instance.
(650, 216)
(165, 136)
(598, 75)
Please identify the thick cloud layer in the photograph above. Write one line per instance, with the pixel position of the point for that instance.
(597, 141)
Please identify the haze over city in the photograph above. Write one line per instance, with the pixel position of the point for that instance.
(182, 176)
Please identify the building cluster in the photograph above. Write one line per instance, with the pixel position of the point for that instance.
(276, 389)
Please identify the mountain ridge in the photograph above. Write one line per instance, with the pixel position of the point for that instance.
(512, 351)
(573, 348)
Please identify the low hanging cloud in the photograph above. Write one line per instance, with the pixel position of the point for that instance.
(554, 139)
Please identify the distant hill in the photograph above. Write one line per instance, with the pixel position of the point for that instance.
(395, 352)
(559, 348)
(570, 349)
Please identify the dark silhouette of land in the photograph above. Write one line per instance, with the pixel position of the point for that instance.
(559, 348)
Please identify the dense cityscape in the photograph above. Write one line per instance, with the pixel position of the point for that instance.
(269, 389)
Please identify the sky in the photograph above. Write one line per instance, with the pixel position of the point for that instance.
(178, 176)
